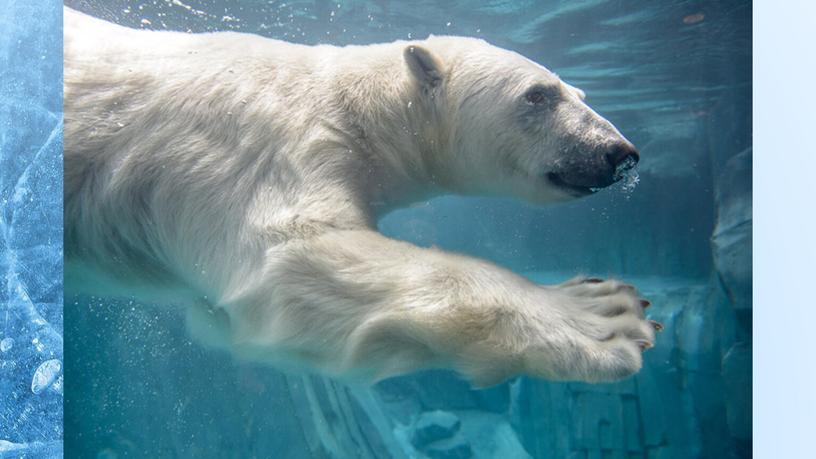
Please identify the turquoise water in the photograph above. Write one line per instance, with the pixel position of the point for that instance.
(674, 77)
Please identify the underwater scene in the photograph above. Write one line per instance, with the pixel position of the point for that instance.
(673, 76)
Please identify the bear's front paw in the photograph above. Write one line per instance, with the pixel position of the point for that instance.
(612, 329)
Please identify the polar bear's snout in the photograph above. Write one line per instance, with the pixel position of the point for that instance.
(623, 156)
(583, 172)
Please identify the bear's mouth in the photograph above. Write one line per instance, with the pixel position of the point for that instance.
(620, 172)
(575, 190)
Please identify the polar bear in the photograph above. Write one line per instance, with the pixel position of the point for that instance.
(242, 177)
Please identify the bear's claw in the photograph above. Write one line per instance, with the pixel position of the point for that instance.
(613, 316)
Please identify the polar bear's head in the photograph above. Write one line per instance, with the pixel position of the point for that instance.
(513, 127)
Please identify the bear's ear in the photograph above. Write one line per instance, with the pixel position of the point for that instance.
(425, 67)
(578, 92)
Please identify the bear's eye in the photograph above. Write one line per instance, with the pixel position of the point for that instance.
(539, 95)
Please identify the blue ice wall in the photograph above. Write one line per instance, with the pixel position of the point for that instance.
(31, 358)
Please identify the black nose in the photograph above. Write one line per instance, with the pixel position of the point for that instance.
(620, 154)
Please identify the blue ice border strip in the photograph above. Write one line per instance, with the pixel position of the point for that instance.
(784, 228)
(31, 233)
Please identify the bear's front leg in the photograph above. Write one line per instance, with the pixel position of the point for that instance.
(355, 303)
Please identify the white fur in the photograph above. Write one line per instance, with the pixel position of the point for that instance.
(242, 177)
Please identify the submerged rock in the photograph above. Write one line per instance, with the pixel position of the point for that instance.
(731, 241)
(434, 426)
(736, 370)
(451, 448)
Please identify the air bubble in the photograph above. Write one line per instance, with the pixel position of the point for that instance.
(626, 165)
(629, 180)
(626, 173)
(45, 375)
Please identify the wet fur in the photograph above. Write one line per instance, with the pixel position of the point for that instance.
(242, 177)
